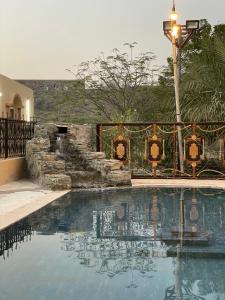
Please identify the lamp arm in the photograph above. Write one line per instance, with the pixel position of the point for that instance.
(187, 39)
(169, 37)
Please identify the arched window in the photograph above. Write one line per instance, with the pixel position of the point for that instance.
(17, 107)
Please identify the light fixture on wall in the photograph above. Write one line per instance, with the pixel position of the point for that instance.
(0, 94)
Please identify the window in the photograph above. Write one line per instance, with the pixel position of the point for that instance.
(19, 116)
(11, 113)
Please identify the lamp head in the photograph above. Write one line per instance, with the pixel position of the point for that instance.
(192, 25)
(167, 26)
(175, 31)
(173, 16)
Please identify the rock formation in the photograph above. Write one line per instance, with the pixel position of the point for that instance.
(60, 157)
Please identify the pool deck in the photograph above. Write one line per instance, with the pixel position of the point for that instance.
(18, 199)
(185, 183)
(21, 198)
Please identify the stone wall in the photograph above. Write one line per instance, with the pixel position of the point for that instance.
(49, 92)
(64, 161)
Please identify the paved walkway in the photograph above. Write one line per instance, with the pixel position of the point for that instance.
(195, 183)
(21, 198)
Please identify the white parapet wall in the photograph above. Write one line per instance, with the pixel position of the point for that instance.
(12, 169)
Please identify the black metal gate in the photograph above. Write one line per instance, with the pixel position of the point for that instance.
(151, 149)
(13, 137)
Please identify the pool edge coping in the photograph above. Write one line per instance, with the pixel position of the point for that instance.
(155, 184)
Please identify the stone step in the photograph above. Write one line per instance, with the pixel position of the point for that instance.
(74, 166)
(81, 143)
(77, 143)
(56, 181)
(112, 164)
(94, 155)
(83, 178)
(49, 157)
(119, 178)
(52, 167)
(82, 149)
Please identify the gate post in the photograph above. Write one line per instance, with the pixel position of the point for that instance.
(6, 138)
(98, 138)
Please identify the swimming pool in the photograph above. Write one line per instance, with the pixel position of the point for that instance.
(128, 244)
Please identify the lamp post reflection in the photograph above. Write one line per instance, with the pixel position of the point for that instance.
(155, 214)
(181, 291)
(178, 279)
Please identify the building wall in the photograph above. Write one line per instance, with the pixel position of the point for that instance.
(16, 100)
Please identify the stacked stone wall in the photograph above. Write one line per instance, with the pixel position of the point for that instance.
(78, 166)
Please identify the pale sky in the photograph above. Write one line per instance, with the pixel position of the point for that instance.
(39, 39)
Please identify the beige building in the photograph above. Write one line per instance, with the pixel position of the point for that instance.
(16, 100)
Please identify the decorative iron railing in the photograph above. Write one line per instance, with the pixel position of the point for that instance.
(151, 149)
(13, 137)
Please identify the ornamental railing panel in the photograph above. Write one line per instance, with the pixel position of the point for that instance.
(150, 150)
(13, 137)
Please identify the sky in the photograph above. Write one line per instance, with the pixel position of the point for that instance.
(39, 39)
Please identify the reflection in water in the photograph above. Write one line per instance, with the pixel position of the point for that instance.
(132, 232)
(12, 237)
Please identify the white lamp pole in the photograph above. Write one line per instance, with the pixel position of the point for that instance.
(179, 35)
(175, 34)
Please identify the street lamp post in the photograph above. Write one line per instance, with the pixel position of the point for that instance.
(131, 45)
(179, 35)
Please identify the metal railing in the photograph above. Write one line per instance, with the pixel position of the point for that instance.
(13, 137)
(151, 149)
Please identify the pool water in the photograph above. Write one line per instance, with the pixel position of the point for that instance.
(135, 244)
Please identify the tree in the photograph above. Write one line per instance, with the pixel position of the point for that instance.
(202, 77)
(60, 100)
(119, 87)
(203, 85)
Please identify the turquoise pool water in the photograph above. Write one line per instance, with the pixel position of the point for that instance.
(132, 244)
